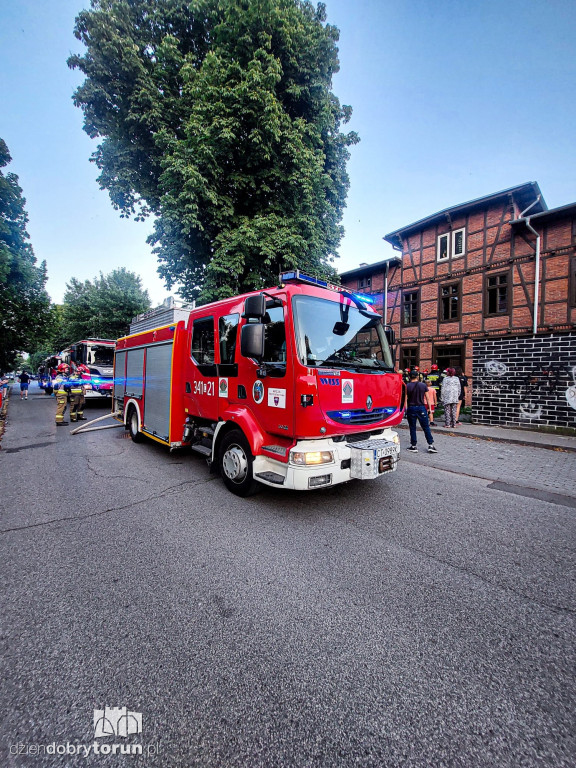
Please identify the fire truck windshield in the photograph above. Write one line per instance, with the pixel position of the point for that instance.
(98, 354)
(337, 335)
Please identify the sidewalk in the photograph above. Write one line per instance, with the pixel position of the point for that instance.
(507, 435)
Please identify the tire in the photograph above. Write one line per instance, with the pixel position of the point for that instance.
(235, 462)
(134, 426)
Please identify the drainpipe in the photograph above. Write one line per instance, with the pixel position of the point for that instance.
(526, 220)
(386, 294)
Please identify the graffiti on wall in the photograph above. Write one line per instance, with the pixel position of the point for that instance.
(541, 381)
(571, 391)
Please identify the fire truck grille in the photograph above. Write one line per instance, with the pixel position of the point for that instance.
(357, 437)
(360, 416)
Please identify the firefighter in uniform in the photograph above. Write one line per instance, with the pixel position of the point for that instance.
(61, 396)
(435, 377)
(76, 389)
(82, 369)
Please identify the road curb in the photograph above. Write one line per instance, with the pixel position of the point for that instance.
(498, 439)
(3, 414)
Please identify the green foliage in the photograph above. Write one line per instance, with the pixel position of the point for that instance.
(37, 358)
(217, 116)
(24, 304)
(102, 308)
(58, 339)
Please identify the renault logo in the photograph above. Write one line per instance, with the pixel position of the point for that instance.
(368, 403)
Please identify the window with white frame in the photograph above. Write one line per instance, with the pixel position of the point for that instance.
(451, 245)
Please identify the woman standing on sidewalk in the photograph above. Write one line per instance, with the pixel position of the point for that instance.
(450, 395)
(463, 386)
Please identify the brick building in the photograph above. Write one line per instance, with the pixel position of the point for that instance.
(467, 273)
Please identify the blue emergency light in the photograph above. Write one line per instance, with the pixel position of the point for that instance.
(360, 296)
(295, 276)
(299, 277)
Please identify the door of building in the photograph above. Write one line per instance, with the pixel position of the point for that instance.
(449, 356)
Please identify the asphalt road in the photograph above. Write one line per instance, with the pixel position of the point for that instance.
(423, 619)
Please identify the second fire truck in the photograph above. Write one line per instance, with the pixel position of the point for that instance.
(98, 356)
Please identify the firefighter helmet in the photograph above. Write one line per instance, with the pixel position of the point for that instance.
(433, 367)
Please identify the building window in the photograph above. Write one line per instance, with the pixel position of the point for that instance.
(449, 302)
(409, 358)
(573, 281)
(496, 294)
(410, 308)
(451, 244)
(364, 282)
(458, 244)
(443, 247)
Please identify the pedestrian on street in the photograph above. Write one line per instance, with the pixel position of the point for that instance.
(432, 401)
(24, 380)
(450, 396)
(417, 411)
(61, 396)
(463, 384)
(4, 382)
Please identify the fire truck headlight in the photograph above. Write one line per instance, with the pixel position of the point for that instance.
(396, 439)
(302, 458)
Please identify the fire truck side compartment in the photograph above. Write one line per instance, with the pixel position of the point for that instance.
(158, 382)
(134, 372)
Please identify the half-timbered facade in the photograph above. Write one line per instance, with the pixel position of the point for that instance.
(468, 272)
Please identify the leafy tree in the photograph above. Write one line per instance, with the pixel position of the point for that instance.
(55, 341)
(24, 303)
(217, 116)
(102, 308)
(37, 358)
(58, 339)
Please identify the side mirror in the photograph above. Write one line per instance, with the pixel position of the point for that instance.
(255, 307)
(390, 335)
(252, 340)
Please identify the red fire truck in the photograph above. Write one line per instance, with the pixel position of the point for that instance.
(98, 356)
(292, 387)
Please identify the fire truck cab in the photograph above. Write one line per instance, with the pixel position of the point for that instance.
(292, 387)
(97, 355)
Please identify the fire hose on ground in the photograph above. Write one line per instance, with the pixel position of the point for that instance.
(88, 428)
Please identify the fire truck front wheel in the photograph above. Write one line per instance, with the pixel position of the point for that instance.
(134, 426)
(235, 461)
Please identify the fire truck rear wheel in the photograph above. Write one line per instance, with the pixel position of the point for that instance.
(235, 462)
(134, 426)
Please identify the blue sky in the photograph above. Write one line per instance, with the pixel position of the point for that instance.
(452, 99)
